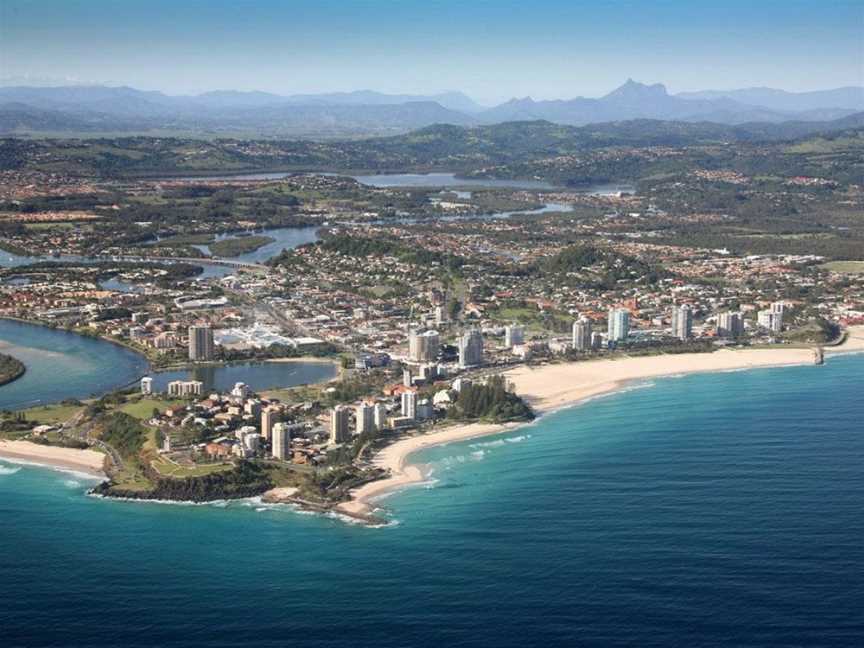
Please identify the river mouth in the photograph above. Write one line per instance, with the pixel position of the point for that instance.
(63, 365)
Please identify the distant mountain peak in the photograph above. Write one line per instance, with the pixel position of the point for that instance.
(634, 90)
(520, 101)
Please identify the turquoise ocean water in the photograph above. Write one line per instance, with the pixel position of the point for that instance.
(707, 510)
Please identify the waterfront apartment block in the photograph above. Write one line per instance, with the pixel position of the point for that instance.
(200, 343)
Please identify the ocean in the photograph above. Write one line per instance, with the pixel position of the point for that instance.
(707, 510)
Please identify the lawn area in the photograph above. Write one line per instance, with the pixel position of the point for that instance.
(52, 226)
(299, 393)
(52, 414)
(142, 408)
(533, 319)
(170, 469)
(850, 267)
(131, 479)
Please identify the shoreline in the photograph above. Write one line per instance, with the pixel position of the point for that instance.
(553, 387)
(547, 388)
(87, 462)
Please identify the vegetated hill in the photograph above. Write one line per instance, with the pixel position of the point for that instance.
(543, 137)
(17, 117)
(506, 150)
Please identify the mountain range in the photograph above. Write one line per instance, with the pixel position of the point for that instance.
(101, 109)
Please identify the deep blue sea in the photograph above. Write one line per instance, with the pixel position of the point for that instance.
(710, 510)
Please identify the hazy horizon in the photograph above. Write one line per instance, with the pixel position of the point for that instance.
(42, 82)
(490, 51)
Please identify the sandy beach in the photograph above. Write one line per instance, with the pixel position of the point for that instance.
(554, 386)
(84, 461)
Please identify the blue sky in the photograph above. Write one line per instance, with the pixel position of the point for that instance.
(491, 50)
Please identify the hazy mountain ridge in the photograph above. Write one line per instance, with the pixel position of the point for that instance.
(850, 98)
(96, 109)
(635, 100)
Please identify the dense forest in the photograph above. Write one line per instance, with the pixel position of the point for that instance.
(610, 267)
(363, 247)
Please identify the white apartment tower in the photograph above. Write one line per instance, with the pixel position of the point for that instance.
(513, 336)
(269, 417)
(409, 404)
(582, 334)
(364, 418)
(619, 324)
(730, 325)
(281, 440)
(771, 320)
(339, 417)
(380, 416)
(471, 349)
(423, 347)
(682, 322)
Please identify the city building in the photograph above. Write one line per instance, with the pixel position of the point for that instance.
(770, 320)
(409, 404)
(269, 417)
(582, 334)
(147, 385)
(513, 336)
(185, 388)
(339, 419)
(440, 318)
(428, 372)
(380, 416)
(281, 440)
(200, 343)
(471, 349)
(364, 418)
(240, 391)
(425, 410)
(423, 347)
(619, 324)
(730, 325)
(164, 341)
(682, 322)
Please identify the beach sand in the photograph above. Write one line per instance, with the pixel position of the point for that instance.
(84, 461)
(554, 386)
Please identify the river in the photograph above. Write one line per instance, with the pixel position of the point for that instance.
(63, 365)
(426, 180)
(292, 237)
(283, 238)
